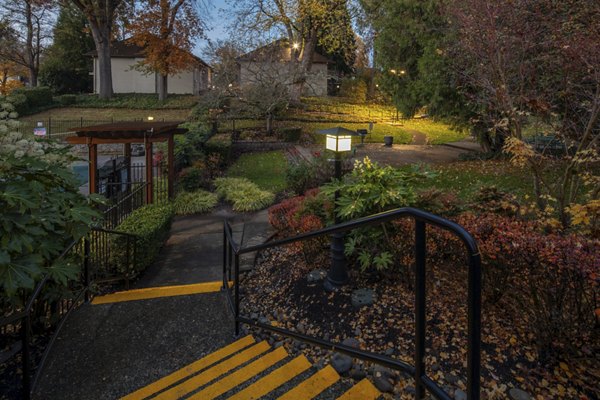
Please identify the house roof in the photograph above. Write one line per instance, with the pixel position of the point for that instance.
(278, 50)
(124, 49)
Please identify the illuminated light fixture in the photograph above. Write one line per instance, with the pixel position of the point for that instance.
(338, 140)
(150, 118)
(402, 72)
(296, 46)
(393, 71)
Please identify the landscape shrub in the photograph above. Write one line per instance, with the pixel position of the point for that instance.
(291, 134)
(439, 202)
(42, 211)
(66, 99)
(36, 98)
(19, 102)
(307, 175)
(492, 199)
(220, 144)
(354, 89)
(197, 202)
(151, 225)
(550, 280)
(243, 194)
(190, 147)
(370, 189)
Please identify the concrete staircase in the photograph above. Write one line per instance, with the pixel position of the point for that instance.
(246, 369)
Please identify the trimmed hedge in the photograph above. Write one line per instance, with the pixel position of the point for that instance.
(151, 224)
(30, 99)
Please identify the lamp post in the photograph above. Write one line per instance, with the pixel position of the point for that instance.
(338, 140)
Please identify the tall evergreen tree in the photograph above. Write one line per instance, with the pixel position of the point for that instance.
(67, 65)
(410, 49)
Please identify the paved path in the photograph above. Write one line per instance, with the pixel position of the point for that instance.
(106, 351)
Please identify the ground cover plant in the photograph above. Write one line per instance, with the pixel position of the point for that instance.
(265, 169)
(197, 202)
(242, 194)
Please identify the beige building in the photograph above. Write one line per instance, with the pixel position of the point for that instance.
(127, 79)
(271, 62)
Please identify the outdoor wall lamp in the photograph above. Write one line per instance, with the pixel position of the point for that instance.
(338, 140)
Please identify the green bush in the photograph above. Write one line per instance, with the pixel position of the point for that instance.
(36, 96)
(243, 194)
(354, 89)
(190, 179)
(197, 202)
(151, 224)
(66, 99)
(291, 134)
(309, 174)
(220, 144)
(19, 102)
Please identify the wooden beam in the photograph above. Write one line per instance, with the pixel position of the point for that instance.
(94, 140)
(93, 168)
(171, 165)
(149, 174)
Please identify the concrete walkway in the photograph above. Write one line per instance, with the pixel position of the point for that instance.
(106, 351)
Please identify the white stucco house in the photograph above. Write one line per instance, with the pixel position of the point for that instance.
(272, 62)
(127, 79)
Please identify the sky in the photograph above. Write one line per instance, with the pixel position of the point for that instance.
(217, 22)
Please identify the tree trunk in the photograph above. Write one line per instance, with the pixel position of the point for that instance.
(29, 50)
(101, 37)
(162, 87)
(304, 67)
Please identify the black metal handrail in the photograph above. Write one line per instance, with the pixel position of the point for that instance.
(232, 252)
(24, 315)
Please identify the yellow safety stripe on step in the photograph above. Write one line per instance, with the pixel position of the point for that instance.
(191, 369)
(275, 379)
(161, 291)
(363, 390)
(313, 386)
(213, 373)
(240, 376)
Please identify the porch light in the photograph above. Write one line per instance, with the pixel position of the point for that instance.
(150, 118)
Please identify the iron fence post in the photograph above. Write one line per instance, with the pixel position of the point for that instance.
(86, 267)
(237, 294)
(420, 306)
(26, 356)
(127, 266)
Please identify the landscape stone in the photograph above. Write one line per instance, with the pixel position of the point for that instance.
(357, 373)
(316, 276)
(341, 363)
(362, 297)
(383, 384)
(351, 342)
(518, 394)
(460, 395)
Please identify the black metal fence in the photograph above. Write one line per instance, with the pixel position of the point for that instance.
(231, 264)
(57, 128)
(28, 331)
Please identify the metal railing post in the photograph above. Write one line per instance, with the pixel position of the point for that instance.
(420, 306)
(225, 246)
(237, 294)
(86, 267)
(474, 346)
(26, 326)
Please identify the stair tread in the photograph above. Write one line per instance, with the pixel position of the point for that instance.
(312, 386)
(190, 369)
(363, 390)
(273, 380)
(240, 376)
(214, 372)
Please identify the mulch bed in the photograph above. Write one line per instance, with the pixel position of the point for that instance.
(278, 290)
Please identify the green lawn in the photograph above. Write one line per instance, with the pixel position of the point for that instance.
(267, 170)
(465, 178)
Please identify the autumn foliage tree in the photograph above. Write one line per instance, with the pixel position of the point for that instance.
(166, 29)
(522, 63)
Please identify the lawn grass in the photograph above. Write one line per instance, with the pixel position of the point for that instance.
(465, 178)
(267, 170)
(137, 101)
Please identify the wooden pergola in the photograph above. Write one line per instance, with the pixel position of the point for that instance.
(127, 133)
